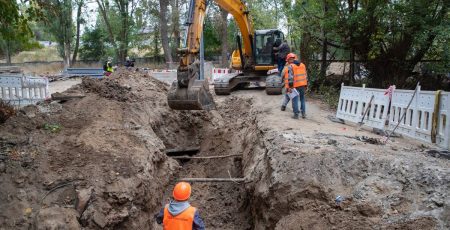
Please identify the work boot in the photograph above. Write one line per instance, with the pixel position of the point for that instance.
(283, 108)
(295, 116)
(303, 115)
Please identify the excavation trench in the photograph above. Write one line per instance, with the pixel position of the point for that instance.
(213, 146)
(106, 166)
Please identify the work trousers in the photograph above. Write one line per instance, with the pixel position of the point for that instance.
(301, 91)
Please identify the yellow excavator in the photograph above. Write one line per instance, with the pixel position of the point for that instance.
(253, 61)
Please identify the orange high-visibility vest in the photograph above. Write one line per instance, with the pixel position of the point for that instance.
(182, 221)
(298, 75)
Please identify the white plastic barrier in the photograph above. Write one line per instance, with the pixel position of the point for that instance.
(21, 90)
(418, 120)
(218, 72)
(354, 101)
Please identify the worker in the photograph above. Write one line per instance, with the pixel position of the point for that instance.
(281, 52)
(107, 67)
(179, 214)
(129, 62)
(295, 77)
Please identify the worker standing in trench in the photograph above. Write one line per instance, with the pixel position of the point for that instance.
(295, 78)
(179, 214)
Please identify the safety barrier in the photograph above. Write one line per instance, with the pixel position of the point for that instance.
(218, 72)
(82, 72)
(20, 90)
(354, 101)
(418, 121)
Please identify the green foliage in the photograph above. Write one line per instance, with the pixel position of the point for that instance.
(330, 95)
(211, 38)
(15, 34)
(53, 128)
(93, 47)
(393, 36)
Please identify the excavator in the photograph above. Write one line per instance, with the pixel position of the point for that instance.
(252, 61)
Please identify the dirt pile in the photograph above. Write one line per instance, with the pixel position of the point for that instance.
(324, 180)
(99, 162)
(94, 162)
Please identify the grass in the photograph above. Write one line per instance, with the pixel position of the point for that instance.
(45, 54)
(54, 128)
(330, 95)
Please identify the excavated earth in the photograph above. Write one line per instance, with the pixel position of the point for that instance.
(99, 162)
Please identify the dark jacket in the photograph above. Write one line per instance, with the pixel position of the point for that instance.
(283, 50)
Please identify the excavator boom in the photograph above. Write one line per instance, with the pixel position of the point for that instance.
(190, 91)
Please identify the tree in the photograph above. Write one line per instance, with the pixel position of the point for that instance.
(175, 4)
(60, 25)
(104, 9)
(80, 20)
(223, 37)
(163, 29)
(93, 47)
(15, 33)
(392, 36)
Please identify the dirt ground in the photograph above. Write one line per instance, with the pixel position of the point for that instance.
(99, 162)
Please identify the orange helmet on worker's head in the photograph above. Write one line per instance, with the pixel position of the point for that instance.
(182, 191)
(291, 55)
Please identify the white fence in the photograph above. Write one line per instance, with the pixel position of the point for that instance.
(354, 101)
(21, 90)
(418, 121)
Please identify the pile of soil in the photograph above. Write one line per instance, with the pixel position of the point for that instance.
(93, 162)
(311, 175)
(99, 162)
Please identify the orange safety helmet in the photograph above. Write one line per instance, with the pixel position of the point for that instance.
(291, 55)
(182, 191)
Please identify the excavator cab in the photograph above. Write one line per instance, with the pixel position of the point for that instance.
(264, 42)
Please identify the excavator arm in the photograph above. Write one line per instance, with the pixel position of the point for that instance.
(190, 92)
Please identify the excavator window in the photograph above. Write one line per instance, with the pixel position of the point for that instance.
(264, 43)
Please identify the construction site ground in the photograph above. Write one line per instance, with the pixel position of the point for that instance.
(100, 162)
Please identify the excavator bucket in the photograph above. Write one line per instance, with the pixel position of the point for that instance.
(194, 97)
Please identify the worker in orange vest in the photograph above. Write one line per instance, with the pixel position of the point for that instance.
(295, 77)
(179, 214)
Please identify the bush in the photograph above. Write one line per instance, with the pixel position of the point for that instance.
(6, 111)
(330, 95)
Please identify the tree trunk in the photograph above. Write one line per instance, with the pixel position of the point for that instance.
(124, 20)
(77, 40)
(103, 9)
(156, 44)
(224, 37)
(66, 54)
(176, 24)
(352, 66)
(163, 28)
(323, 66)
(304, 48)
(8, 52)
